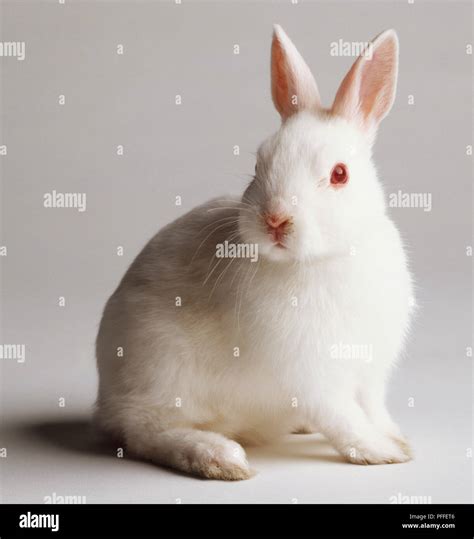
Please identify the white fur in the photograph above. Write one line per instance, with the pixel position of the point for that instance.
(248, 353)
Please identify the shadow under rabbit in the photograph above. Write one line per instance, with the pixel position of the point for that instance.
(78, 435)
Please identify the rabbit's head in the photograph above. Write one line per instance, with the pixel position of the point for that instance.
(315, 186)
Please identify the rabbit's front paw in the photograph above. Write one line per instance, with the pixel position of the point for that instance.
(226, 461)
(404, 444)
(383, 450)
(392, 431)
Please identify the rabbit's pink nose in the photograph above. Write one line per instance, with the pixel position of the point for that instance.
(276, 225)
(277, 221)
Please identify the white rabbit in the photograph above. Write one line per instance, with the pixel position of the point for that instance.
(219, 352)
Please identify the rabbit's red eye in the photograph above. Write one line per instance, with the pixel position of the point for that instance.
(339, 174)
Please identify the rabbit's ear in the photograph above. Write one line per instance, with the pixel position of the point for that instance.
(293, 85)
(368, 90)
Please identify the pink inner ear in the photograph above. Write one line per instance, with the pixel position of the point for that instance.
(291, 77)
(346, 100)
(280, 81)
(367, 92)
(378, 80)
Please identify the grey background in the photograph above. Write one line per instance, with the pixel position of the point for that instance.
(187, 150)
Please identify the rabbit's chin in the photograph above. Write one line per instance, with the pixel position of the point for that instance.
(288, 253)
(275, 253)
(298, 252)
(294, 248)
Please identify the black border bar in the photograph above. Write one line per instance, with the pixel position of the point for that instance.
(183, 520)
